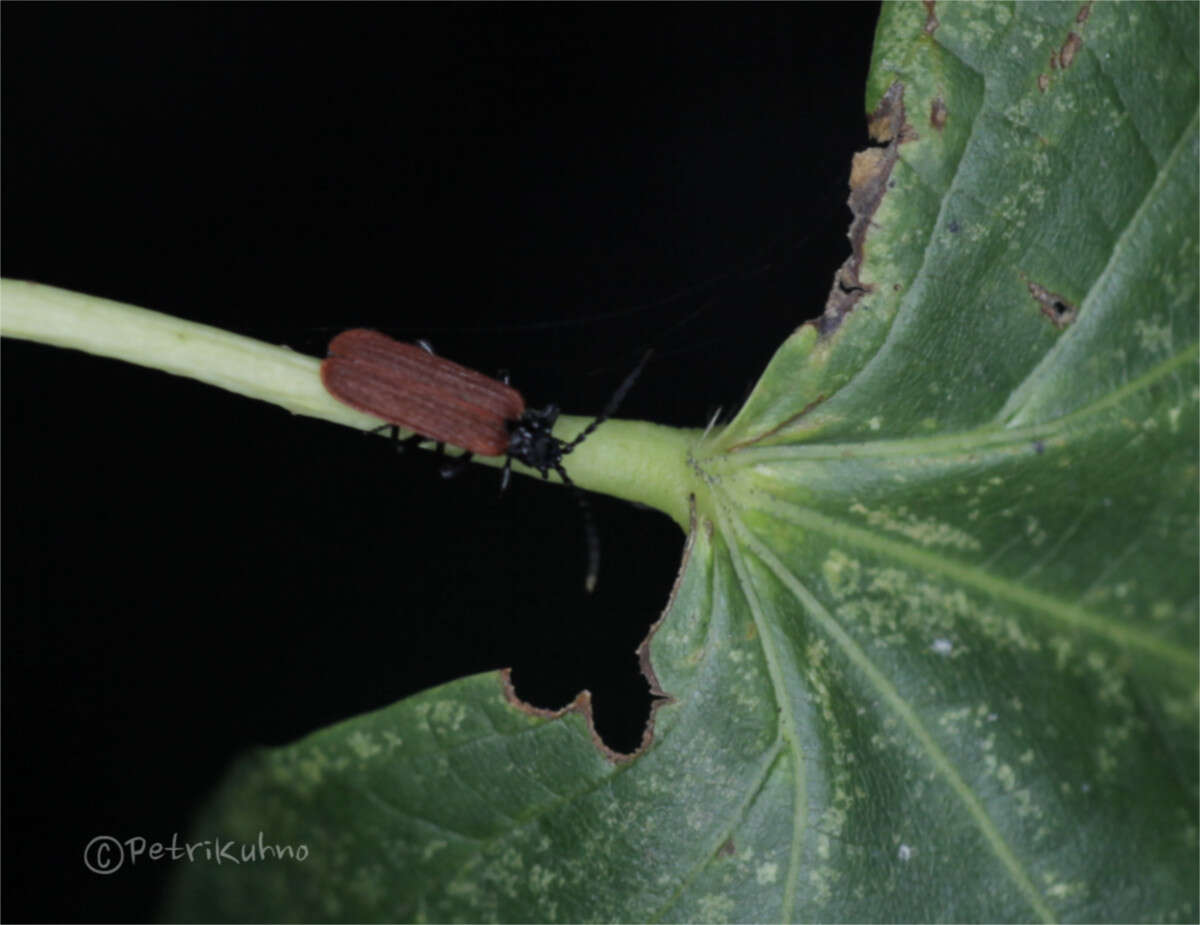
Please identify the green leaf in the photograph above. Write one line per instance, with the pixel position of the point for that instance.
(933, 650)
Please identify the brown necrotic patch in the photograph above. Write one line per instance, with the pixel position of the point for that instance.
(938, 113)
(1054, 306)
(931, 20)
(1064, 56)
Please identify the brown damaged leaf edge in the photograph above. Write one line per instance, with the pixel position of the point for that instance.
(870, 172)
(582, 703)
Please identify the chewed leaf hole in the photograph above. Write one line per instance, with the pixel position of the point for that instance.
(1057, 308)
(593, 659)
(615, 702)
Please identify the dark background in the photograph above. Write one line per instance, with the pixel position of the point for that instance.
(547, 189)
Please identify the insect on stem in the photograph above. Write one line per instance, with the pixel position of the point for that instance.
(410, 387)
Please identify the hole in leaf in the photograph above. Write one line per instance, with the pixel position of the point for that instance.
(1057, 308)
(590, 642)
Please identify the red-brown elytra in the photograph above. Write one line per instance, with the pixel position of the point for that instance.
(409, 386)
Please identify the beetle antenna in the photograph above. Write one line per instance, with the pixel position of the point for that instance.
(611, 408)
(589, 527)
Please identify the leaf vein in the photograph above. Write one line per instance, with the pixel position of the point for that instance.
(937, 757)
(1040, 376)
(970, 575)
(786, 715)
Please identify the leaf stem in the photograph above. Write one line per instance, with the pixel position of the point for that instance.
(634, 460)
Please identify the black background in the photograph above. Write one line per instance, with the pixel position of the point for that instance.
(546, 189)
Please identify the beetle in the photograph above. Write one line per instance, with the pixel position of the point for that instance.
(411, 387)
